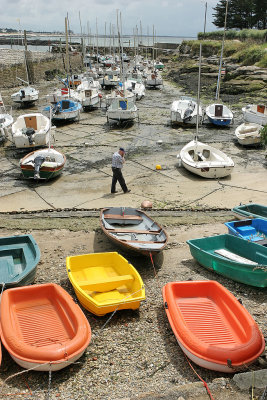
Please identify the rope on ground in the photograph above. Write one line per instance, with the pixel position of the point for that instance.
(202, 380)
(241, 187)
(153, 170)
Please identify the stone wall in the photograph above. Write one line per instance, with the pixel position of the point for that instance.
(41, 65)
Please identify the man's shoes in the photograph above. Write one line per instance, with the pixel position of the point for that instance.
(114, 192)
(128, 191)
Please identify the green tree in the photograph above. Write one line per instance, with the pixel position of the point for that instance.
(260, 14)
(242, 14)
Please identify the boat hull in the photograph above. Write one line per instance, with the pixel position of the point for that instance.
(51, 330)
(252, 210)
(19, 257)
(254, 230)
(105, 282)
(205, 161)
(137, 232)
(248, 270)
(211, 326)
(48, 169)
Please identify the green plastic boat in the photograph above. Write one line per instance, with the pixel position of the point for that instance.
(233, 257)
(251, 210)
(19, 256)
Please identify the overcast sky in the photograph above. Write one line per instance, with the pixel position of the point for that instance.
(170, 17)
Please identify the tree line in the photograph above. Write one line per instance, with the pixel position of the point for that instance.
(242, 14)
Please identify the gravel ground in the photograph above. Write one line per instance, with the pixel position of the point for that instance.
(136, 354)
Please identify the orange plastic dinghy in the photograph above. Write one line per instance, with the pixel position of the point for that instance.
(42, 327)
(212, 328)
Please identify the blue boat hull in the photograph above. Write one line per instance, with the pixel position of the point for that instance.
(219, 122)
(254, 230)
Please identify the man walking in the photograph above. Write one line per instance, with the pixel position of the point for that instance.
(117, 164)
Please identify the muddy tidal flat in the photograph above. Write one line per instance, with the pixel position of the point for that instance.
(134, 356)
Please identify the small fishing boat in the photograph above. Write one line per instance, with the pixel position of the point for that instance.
(205, 161)
(86, 94)
(184, 111)
(65, 110)
(153, 80)
(233, 257)
(251, 210)
(212, 328)
(248, 134)
(219, 114)
(25, 96)
(51, 331)
(122, 109)
(255, 113)
(109, 81)
(119, 94)
(254, 230)
(105, 282)
(132, 229)
(135, 86)
(19, 256)
(6, 120)
(31, 130)
(42, 164)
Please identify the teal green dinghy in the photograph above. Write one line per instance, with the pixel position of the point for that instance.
(233, 257)
(251, 210)
(19, 256)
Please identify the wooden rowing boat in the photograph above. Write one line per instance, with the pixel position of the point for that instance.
(132, 229)
(212, 328)
(42, 328)
(230, 256)
(19, 256)
(105, 282)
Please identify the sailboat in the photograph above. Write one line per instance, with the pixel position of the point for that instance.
(26, 95)
(218, 113)
(185, 111)
(43, 164)
(202, 159)
(30, 130)
(122, 108)
(6, 120)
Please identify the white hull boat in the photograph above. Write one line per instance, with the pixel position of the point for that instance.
(255, 113)
(25, 95)
(219, 114)
(65, 110)
(136, 87)
(109, 81)
(122, 109)
(119, 94)
(184, 111)
(87, 95)
(42, 164)
(248, 134)
(153, 80)
(206, 161)
(31, 130)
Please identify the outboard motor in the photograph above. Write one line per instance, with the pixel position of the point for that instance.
(29, 132)
(187, 115)
(133, 85)
(38, 161)
(22, 94)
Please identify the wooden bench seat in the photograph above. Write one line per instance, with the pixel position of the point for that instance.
(106, 284)
(133, 231)
(114, 216)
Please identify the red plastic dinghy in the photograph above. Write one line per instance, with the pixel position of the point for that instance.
(42, 327)
(212, 328)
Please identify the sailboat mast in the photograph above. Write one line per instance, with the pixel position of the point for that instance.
(67, 46)
(199, 76)
(220, 67)
(96, 43)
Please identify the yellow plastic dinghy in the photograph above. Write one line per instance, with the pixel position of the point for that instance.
(104, 282)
